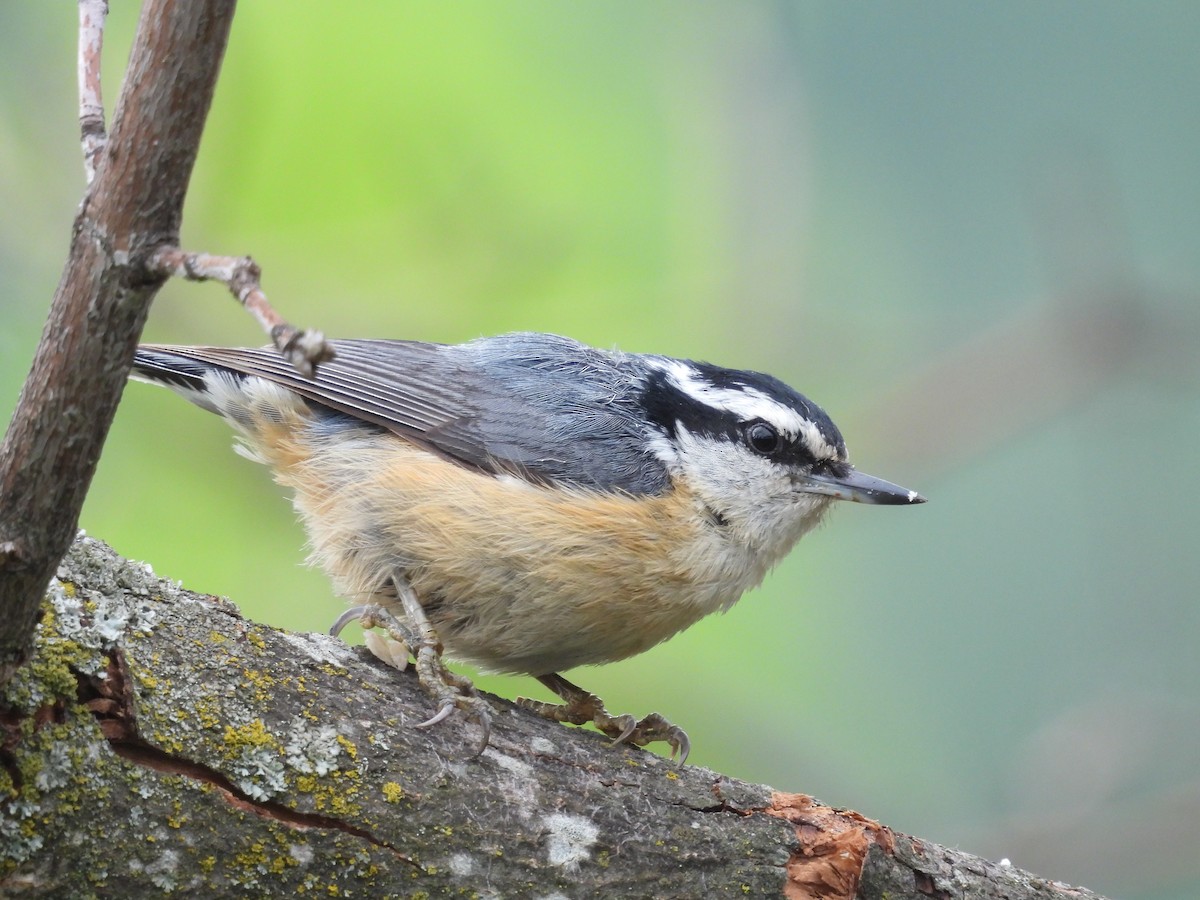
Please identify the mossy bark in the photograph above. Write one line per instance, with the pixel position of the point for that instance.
(160, 743)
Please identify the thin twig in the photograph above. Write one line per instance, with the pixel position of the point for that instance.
(92, 14)
(304, 349)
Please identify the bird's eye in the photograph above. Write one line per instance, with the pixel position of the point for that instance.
(762, 438)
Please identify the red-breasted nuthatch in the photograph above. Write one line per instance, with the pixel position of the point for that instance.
(527, 502)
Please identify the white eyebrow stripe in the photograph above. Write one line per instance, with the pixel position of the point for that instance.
(747, 403)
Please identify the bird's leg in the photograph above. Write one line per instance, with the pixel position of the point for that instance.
(415, 635)
(579, 707)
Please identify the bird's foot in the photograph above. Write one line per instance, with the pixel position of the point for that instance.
(580, 707)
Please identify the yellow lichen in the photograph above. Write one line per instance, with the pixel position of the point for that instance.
(253, 734)
(392, 792)
(264, 685)
(207, 712)
(253, 857)
(146, 680)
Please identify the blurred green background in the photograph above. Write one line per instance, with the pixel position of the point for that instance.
(969, 230)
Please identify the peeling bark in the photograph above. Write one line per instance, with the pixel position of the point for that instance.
(159, 742)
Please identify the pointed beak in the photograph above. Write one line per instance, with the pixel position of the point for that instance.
(849, 484)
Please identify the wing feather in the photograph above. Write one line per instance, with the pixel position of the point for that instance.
(544, 407)
(407, 400)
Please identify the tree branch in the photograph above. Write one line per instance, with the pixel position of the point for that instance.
(225, 758)
(133, 206)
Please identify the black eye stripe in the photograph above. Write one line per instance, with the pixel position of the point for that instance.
(669, 407)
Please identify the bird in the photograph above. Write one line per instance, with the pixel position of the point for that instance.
(526, 503)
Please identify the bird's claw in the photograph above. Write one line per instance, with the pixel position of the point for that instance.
(655, 728)
(444, 710)
(350, 615)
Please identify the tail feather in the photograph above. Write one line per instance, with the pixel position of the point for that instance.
(156, 366)
(261, 411)
(192, 379)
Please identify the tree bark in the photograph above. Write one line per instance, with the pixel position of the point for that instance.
(134, 205)
(159, 742)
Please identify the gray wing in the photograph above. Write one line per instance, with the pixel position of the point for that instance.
(539, 406)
